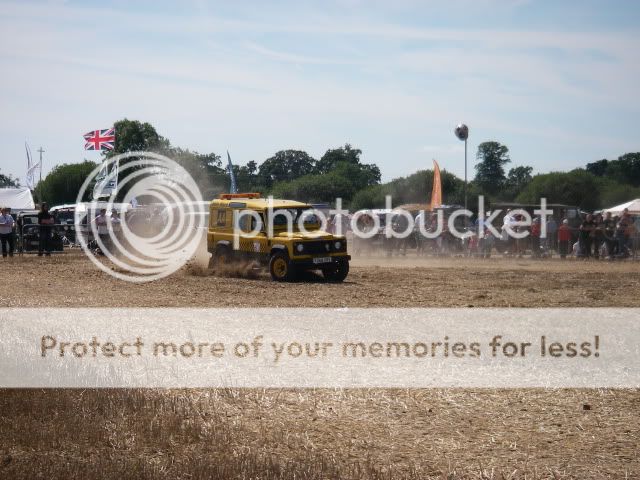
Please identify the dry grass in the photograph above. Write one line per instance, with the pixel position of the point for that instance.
(70, 280)
(320, 434)
(240, 269)
(358, 434)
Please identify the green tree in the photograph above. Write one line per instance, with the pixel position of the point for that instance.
(626, 169)
(136, 136)
(599, 168)
(252, 167)
(7, 181)
(63, 183)
(517, 179)
(415, 188)
(349, 156)
(492, 158)
(614, 193)
(316, 188)
(249, 180)
(205, 169)
(211, 162)
(342, 181)
(577, 187)
(286, 165)
(338, 155)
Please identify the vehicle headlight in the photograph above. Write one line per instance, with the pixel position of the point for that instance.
(338, 245)
(299, 248)
(327, 247)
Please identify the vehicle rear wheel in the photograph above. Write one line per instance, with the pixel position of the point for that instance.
(221, 256)
(280, 268)
(337, 272)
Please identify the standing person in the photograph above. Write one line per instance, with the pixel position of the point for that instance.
(608, 233)
(564, 238)
(364, 224)
(420, 221)
(586, 236)
(114, 220)
(6, 232)
(485, 239)
(114, 223)
(399, 224)
(46, 221)
(535, 238)
(597, 235)
(507, 240)
(552, 233)
(331, 225)
(101, 221)
(623, 233)
(520, 243)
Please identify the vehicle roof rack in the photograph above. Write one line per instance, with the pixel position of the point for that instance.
(231, 196)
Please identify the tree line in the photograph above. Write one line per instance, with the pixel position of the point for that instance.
(340, 172)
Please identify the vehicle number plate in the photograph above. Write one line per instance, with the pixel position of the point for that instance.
(322, 260)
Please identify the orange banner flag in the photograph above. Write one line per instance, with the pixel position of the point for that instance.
(436, 189)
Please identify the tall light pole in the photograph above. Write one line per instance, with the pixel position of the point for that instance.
(462, 132)
(40, 151)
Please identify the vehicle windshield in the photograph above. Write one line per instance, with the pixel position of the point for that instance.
(281, 217)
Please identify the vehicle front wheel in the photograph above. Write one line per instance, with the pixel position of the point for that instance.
(280, 268)
(337, 272)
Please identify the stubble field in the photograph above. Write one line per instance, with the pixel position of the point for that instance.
(378, 433)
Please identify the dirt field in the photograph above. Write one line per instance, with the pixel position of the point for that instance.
(379, 433)
(70, 280)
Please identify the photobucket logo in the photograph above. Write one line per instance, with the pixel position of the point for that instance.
(146, 218)
(388, 222)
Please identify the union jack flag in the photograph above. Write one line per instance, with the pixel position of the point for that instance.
(100, 139)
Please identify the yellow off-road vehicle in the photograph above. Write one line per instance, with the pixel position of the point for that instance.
(284, 235)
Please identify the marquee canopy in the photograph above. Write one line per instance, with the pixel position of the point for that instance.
(16, 198)
(633, 206)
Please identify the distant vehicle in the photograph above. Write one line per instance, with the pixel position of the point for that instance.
(286, 253)
(66, 217)
(560, 211)
(28, 231)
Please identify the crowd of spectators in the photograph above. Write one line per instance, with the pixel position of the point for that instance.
(593, 236)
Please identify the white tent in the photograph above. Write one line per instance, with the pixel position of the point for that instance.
(16, 198)
(633, 206)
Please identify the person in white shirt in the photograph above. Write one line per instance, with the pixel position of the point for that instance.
(114, 222)
(101, 222)
(6, 232)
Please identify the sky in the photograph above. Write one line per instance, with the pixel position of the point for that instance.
(555, 81)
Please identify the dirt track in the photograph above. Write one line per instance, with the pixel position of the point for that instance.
(70, 280)
(325, 434)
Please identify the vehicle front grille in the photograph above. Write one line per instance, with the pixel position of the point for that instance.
(320, 246)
